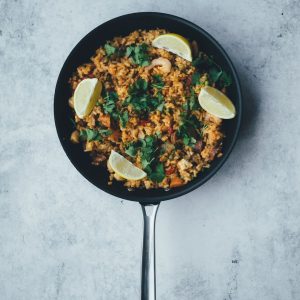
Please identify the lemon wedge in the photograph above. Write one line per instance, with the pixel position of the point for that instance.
(174, 43)
(124, 167)
(86, 95)
(216, 103)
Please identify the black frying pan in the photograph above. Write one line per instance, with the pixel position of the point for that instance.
(149, 199)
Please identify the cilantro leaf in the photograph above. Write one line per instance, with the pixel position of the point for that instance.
(88, 135)
(123, 117)
(226, 79)
(105, 132)
(138, 54)
(190, 129)
(157, 82)
(149, 151)
(158, 174)
(215, 74)
(109, 106)
(195, 78)
(93, 134)
(140, 99)
(132, 149)
(109, 49)
(193, 101)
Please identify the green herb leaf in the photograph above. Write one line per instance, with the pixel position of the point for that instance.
(140, 99)
(149, 151)
(105, 132)
(132, 149)
(109, 106)
(193, 101)
(123, 117)
(109, 49)
(93, 134)
(190, 129)
(158, 174)
(195, 78)
(88, 135)
(226, 79)
(215, 74)
(189, 141)
(157, 82)
(138, 54)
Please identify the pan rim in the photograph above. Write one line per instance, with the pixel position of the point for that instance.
(187, 189)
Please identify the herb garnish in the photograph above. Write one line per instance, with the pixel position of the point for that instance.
(190, 129)
(157, 82)
(109, 49)
(93, 134)
(123, 117)
(138, 54)
(140, 99)
(216, 74)
(109, 106)
(149, 150)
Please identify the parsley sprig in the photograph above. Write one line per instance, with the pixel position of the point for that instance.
(94, 134)
(190, 129)
(138, 54)
(110, 107)
(149, 151)
(157, 82)
(216, 73)
(141, 100)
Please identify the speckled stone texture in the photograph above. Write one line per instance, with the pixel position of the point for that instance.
(237, 237)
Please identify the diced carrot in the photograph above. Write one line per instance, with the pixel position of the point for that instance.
(176, 181)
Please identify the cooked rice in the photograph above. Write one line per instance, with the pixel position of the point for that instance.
(181, 163)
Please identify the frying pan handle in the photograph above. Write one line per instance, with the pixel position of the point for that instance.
(148, 262)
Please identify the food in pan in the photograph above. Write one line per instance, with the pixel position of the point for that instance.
(149, 107)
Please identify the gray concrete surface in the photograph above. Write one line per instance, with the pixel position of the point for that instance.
(237, 237)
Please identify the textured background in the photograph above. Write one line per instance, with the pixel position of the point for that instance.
(237, 237)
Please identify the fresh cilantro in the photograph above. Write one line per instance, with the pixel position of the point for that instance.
(94, 135)
(129, 50)
(109, 106)
(189, 141)
(195, 78)
(138, 54)
(226, 79)
(105, 132)
(140, 99)
(109, 49)
(193, 101)
(158, 174)
(149, 151)
(157, 82)
(190, 129)
(216, 73)
(123, 117)
(132, 149)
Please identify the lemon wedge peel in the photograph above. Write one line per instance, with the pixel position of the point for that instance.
(124, 168)
(86, 95)
(174, 43)
(216, 103)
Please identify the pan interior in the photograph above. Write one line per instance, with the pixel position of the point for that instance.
(86, 48)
